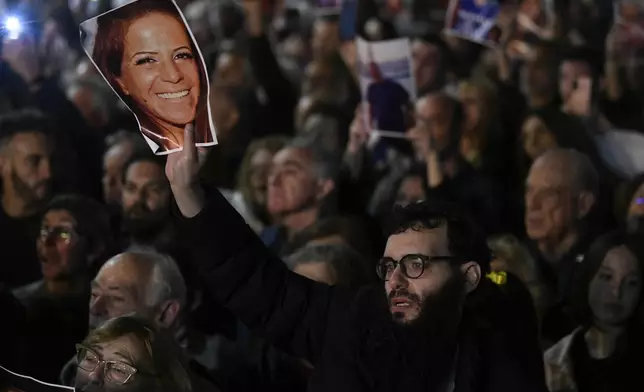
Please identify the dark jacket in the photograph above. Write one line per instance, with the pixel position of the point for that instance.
(349, 336)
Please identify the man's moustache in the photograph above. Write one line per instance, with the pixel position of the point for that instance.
(403, 294)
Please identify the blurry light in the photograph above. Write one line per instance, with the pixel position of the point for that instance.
(13, 26)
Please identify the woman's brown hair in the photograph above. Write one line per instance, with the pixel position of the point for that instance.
(109, 46)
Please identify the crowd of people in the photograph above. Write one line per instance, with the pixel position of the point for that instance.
(494, 248)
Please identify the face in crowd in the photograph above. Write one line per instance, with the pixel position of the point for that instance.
(58, 247)
(326, 39)
(260, 166)
(424, 283)
(536, 137)
(25, 163)
(616, 288)
(569, 73)
(426, 62)
(553, 201)
(145, 198)
(123, 369)
(128, 354)
(122, 287)
(113, 161)
(159, 69)
(432, 129)
(412, 190)
(293, 183)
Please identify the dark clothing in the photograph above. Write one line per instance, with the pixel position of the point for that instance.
(54, 325)
(560, 279)
(13, 338)
(20, 265)
(281, 95)
(349, 336)
(619, 372)
(479, 194)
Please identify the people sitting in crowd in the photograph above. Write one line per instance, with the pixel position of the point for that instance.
(434, 273)
(308, 250)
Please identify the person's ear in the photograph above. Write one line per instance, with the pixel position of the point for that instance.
(122, 86)
(168, 314)
(585, 203)
(325, 187)
(472, 274)
(5, 165)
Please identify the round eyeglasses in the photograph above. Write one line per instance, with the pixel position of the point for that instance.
(116, 372)
(412, 266)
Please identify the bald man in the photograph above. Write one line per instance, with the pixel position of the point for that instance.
(561, 191)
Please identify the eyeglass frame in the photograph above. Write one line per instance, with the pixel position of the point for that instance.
(81, 346)
(426, 260)
(44, 234)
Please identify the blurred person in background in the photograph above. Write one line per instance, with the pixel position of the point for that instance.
(74, 240)
(27, 174)
(250, 195)
(561, 192)
(145, 202)
(301, 183)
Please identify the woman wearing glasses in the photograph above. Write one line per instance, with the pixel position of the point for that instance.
(127, 354)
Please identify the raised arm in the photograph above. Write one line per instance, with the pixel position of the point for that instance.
(288, 310)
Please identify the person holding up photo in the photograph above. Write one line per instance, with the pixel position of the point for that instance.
(145, 52)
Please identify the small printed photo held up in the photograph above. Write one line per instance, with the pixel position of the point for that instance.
(629, 17)
(15, 382)
(148, 55)
(474, 20)
(387, 85)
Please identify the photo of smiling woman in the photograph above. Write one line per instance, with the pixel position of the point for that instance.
(147, 54)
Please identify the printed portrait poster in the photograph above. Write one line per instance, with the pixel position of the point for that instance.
(14, 382)
(474, 20)
(386, 82)
(148, 55)
(328, 7)
(629, 15)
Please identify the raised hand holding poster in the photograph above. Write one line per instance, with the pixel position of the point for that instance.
(147, 54)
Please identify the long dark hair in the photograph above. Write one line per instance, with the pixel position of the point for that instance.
(592, 262)
(108, 52)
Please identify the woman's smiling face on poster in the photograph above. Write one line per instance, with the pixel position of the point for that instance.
(159, 69)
